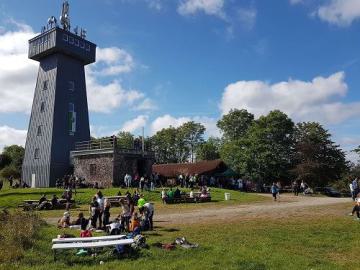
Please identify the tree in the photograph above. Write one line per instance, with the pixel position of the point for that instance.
(209, 150)
(14, 157)
(125, 139)
(318, 160)
(265, 151)
(192, 135)
(164, 144)
(235, 124)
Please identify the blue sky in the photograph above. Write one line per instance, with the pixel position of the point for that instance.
(164, 62)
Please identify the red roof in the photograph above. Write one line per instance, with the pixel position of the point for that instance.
(202, 167)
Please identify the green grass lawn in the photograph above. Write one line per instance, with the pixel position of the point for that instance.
(297, 243)
(14, 197)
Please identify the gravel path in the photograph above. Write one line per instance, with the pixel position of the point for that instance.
(287, 206)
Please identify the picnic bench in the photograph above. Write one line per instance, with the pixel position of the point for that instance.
(33, 204)
(89, 242)
(115, 200)
(185, 198)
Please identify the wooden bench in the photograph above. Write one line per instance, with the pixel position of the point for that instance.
(115, 200)
(91, 243)
(87, 239)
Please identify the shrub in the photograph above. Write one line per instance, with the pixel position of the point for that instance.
(17, 234)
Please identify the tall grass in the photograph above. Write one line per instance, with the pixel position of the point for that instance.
(16, 234)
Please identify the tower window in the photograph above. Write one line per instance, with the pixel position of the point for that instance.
(42, 106)
(77, 42)
(65, 37)
(71, 40)
(71, 85)
(37, 153)
(45, 85)
(82, 45)
(39, 131)
(92, 169)
(88, 47)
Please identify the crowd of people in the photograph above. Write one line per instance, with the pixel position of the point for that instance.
(127, 220)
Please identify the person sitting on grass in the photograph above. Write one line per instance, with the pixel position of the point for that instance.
(42, 202)
(64, 222)
(274, 191)
(356, 209)
(54, 202)
(80, 219)
(84, 230)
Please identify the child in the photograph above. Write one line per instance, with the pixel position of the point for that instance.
(274, 191)
(135, 223)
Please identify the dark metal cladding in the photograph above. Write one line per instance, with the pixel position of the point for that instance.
(59, 115)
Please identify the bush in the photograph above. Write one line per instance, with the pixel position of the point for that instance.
(10, 171)
(17, 234)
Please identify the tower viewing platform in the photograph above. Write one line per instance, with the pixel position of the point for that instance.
(57, 40)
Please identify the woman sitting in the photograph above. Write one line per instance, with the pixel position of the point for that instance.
(64, 222)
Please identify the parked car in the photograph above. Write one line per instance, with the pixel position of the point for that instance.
(328, 191)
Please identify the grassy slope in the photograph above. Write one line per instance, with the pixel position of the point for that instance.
(298, 243)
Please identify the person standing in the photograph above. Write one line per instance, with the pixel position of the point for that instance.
(352, 191)
(274, 191)
(148, 211)
(296, 188)
(94, 212)
(355, 186)
(107, 206)
(101, 201)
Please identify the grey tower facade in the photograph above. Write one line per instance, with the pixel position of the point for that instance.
(59, 115)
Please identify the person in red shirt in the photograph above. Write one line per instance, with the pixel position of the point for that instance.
(84, 230)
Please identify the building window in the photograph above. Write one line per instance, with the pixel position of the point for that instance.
(92, 169)
(72, 119)
(88, 47)
(76, 42)
(37, 153)
(39, 131)
(71, 40)
(65, 37)
(71, 85)
(42, 106)
(82, 45)
(45, 85)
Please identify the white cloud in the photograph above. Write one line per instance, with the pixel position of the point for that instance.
(301, 100)
(167, 120)
(209, 7)
(112, 61)
(155, 4)
(135, 124)
(339, 12)
(247, 17)
(107, 97)
(10, 136)
(146, 105)
(17, 73)
(295, 2)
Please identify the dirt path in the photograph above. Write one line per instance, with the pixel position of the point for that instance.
(287, 206)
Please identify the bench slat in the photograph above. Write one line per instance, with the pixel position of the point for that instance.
(88, 239)
(93, 244)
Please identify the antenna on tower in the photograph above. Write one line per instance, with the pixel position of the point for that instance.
(64, 17)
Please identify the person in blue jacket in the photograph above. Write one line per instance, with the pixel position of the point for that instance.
(274, 191)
